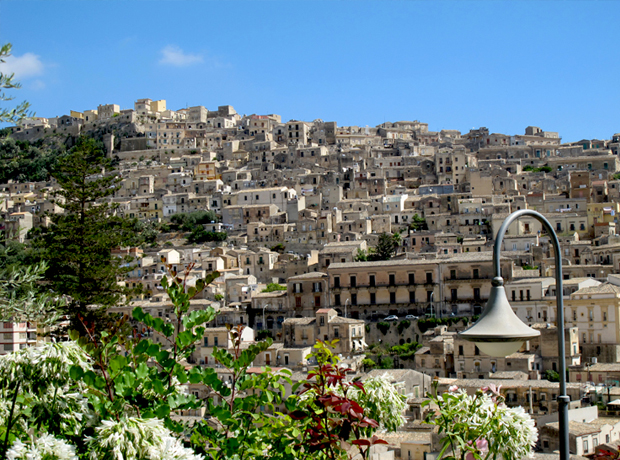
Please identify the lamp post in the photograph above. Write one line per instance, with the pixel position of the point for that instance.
(345, 307)
(499, 332)
(264, 324)
(432, 297)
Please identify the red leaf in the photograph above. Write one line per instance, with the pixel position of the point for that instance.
(298, 415)
(361, 442)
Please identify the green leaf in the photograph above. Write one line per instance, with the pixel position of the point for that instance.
(76, 372)
(142, 371)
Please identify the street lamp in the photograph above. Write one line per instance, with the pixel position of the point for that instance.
(345, 307)
(432, 296)
(264, 324)
(499, 332)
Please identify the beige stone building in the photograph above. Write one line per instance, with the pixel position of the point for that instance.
(326, 326)
(459, 285)
(595, 311)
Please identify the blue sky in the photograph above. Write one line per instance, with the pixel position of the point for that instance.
(454, 65)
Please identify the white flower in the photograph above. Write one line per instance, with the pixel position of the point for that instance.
(137, 439)
(172, 449)
(46, 447)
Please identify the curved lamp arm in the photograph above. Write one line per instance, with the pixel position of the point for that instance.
(563, 399)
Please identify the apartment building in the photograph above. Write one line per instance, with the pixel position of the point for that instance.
(459, 285)
(326, 325)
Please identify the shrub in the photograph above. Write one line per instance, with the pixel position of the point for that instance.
(272, 287)
(384, 327)
(403, 325)
(368, 364)
(386, 362)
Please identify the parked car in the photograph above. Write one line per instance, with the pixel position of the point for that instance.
(391, 318)
(411, 317)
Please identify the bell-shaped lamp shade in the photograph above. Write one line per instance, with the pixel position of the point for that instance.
(498, 331)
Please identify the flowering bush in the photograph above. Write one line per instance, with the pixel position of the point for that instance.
(136, 439)
(481, 426)
(46, 447)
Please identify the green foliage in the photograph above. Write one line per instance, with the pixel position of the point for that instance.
(7, 82)
(402, 325)
(271, 287)
(529, 267)
(219, 297)
(22, 299)
(368, 364)
(278, 248)
(117, 392)
(78, 243)
(384, 327)
(25, 162)
(406, 350)
(424, 324)
(386, 362)
(546, 169)
(200, 235)
(552, 375)
(264, 334)
(386, 247)
(418, 223)
(616, 176)
(189, 222)
(361, 256)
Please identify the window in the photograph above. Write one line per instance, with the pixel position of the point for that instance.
(454, 295)
(476, 350)
(337, 299)
(477, 293)
(373, 298)
(411, 278)
(460, 350)
(411, 296)
(476, 274)
(392, 297)
(336, 281)
(215, 340)
(429, 278)
(514, 295)
(353, 281)
(206, 342)
(585, 446)
(371, 280)
(353, 299)
(392, 279)
(452, 274)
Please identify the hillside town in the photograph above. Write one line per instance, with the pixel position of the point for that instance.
(301, 208)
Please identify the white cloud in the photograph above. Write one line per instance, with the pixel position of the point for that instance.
(27, 65)
(175, 56)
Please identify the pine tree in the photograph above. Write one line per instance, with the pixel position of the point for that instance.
(77, 244)
(386, 247)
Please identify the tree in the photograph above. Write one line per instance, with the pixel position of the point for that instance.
(21, 299)
(418, 223)
(386, 247)
(78, 243)
(7, 82)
